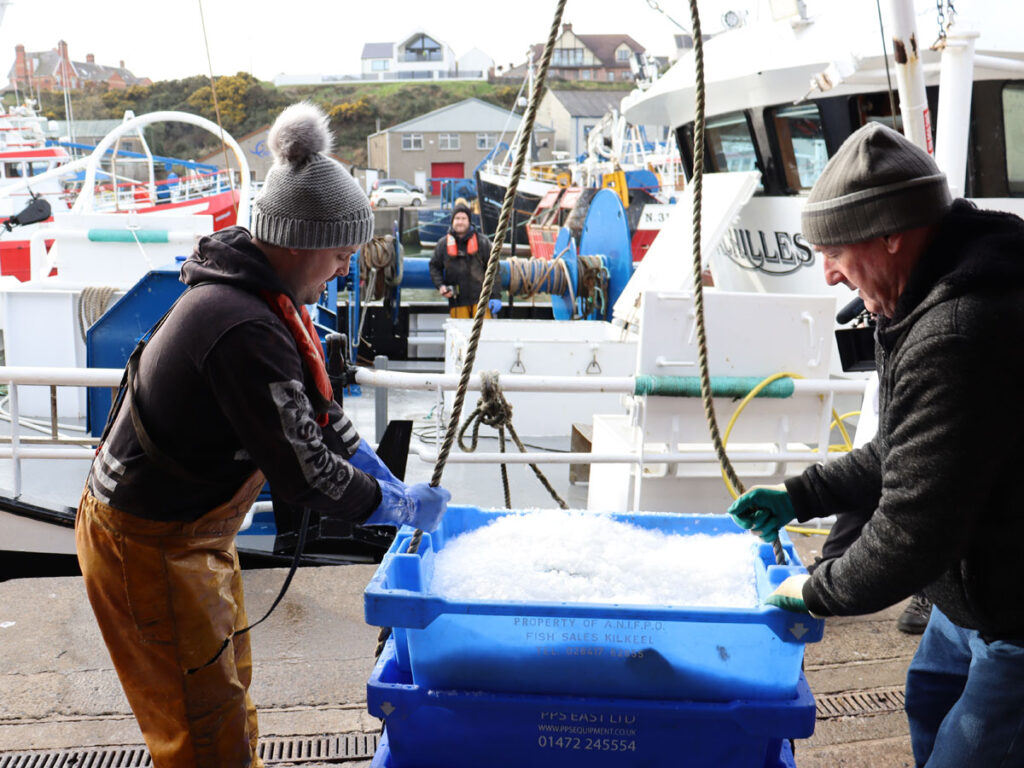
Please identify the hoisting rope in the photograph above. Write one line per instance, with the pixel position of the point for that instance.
(216, 109)
(495, 411)
(489, 276)
(732, 479)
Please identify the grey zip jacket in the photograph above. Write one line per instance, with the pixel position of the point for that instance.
(942, 479)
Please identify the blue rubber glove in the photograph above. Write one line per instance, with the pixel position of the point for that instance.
(495, 306)
(367, 460)
(764, 510)
(421, 506)
(790, 595)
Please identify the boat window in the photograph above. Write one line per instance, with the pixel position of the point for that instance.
(801, 144)
(1013, 123)
(730, 144)
(875, 108)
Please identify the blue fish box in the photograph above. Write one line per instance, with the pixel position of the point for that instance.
(589, 649)
(469, 729)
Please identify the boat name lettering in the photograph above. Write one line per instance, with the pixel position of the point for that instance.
(776, 253)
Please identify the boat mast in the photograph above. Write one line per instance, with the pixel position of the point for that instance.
(956, 81)
(917, 124)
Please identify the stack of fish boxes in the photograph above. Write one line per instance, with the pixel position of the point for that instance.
(475, 683)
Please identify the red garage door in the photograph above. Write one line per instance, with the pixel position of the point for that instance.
(445, 171)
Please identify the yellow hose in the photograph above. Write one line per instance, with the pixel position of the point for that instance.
(837, 420)
(808, 531)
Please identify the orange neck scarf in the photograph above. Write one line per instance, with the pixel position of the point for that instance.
(300, 325)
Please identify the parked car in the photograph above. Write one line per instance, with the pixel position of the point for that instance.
(399, 182)
(392, 194)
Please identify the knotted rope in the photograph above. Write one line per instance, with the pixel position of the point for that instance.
(495, 411)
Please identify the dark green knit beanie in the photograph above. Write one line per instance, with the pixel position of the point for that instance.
(878, 183)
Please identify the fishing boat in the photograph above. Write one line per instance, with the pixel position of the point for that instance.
(654, 448)
(41, 176)
(785, 88)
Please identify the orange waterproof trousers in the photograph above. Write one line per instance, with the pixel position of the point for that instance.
(166, 597)
(467, 312)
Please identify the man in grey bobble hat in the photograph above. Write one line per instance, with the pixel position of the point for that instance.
(229, 391)
(935, 489)
(308, 200)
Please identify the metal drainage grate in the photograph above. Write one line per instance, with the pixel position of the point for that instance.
(303, 749)
(287, 749)
(110, 757)
(875, 702)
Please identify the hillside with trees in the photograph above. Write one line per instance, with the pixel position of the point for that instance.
(246, 104)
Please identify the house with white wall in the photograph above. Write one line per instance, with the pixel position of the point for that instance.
(573, 113)
(421, 56)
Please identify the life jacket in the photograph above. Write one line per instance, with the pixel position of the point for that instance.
(453, 246)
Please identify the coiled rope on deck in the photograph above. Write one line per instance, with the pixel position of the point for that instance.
(379, 267)
(698, 286)
(92, 303)
(528, 277)
(529, 118)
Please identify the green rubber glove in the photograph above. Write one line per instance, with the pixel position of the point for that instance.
(790, 595)
(763, 509)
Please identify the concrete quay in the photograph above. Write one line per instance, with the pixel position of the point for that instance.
(58, 690)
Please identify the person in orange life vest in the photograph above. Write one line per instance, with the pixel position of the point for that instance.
(230, 389)
(458, 266)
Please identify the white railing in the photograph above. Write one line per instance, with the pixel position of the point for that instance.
(440, 382)
(54, 442)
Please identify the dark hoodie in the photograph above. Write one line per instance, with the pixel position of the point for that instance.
(940, 477)
(220, 389)
(463, 270)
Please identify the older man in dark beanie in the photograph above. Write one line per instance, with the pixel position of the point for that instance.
(230, 390)
(936, 484)
(458, 266)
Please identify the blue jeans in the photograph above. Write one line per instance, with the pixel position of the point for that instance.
(965, 699)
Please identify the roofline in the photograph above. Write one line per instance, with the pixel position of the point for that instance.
(436, 111)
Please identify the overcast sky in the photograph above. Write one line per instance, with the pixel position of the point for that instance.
(163, 39)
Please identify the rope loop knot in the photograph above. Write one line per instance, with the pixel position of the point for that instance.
(491, 409)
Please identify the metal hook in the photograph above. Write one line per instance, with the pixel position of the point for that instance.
(594, 366)
(517, 366)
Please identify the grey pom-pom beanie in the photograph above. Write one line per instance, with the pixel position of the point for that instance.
(308, 200)
(877, 183)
